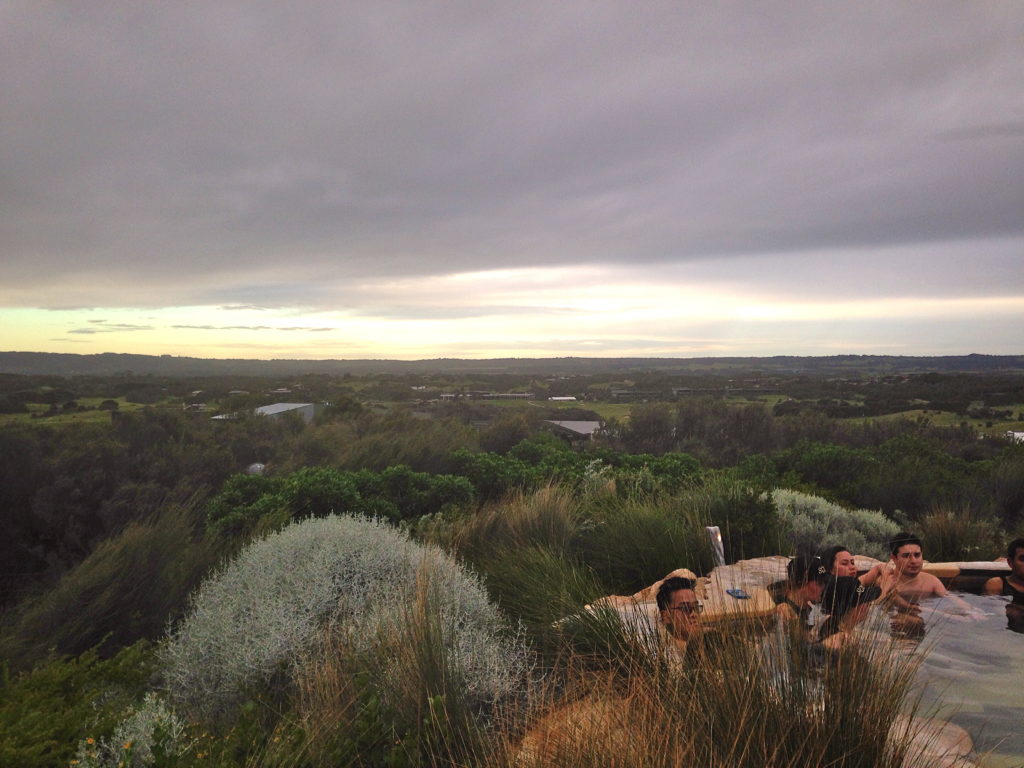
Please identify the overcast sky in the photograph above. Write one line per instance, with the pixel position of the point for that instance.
(481, 179)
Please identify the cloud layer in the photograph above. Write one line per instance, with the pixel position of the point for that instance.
(399, 161)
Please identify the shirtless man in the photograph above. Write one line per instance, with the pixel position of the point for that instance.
(905, 583)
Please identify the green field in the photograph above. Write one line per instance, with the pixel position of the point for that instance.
(94, 416)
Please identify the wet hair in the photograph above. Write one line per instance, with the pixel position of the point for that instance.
(829, 558)
(804, 570)
(1011, 549)
(668, 586)
(842, 594)
(902, 539)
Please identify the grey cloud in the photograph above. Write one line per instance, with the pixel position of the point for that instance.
(103, 326)
(250, 328)
(244, 155)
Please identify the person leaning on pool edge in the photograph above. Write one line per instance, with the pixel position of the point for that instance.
(805, 581)
(1012, 584)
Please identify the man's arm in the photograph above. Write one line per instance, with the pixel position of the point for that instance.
(939, 590)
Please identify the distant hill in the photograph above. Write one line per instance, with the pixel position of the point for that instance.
(110, 364)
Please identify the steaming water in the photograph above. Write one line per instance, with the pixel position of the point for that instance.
(975, 668)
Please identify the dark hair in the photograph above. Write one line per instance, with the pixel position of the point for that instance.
(842, 593)
(1011, 549)
(803, 570)
(668, 586)
(829, 558)
(901, 540)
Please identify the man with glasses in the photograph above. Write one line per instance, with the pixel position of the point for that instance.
(679, 610)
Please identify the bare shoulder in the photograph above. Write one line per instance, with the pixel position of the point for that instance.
(993, 586)
(932, 584)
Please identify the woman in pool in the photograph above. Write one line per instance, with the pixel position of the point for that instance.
(839, 562)
(847, 601)
(1012, 584)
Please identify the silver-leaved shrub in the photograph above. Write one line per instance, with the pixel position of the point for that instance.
(813, 524)
(148, 727)
(254, 619)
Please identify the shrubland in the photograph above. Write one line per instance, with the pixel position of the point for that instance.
(424, 629)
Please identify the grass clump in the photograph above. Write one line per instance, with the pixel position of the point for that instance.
(127, 589)
(735, 701)
(958, 534)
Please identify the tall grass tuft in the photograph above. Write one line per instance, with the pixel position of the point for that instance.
(549, 517)
(251, 624)
(731, 703)
(633, 541)
(958, 534)
(128, 588)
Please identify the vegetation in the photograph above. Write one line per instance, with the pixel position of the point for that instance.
(431, 628)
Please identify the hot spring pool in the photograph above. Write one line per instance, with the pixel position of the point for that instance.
(974, 671)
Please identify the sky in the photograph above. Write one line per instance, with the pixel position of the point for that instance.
(416, 180)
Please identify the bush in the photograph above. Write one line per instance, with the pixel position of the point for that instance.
(151, 732)
(812, 524)
(253, 620)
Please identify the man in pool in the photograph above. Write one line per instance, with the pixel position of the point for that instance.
(679, 610)
(903, 580)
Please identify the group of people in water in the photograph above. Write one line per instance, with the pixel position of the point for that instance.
(833, 581)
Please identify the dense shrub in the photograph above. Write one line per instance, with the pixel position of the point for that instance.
(150, 733)
(812, 524)
(254, 619)
(45, 712)
(247, 502)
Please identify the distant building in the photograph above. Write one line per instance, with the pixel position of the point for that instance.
(1017, 437)
(574, 430)
(306, 410)
(563, 399)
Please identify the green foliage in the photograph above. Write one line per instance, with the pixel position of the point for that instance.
(746, 516)
(46, 711)
(828, 466)
(127, 589)
(812, 525)
(248, 502)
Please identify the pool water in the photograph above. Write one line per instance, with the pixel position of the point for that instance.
(973, 670)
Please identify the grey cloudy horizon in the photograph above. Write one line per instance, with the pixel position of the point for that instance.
(324, 157)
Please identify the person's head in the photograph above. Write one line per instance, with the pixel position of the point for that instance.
(839, 562)
(1015, 557)
(807, 575)
(678, 606)
(906, 554)
(845, 598)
